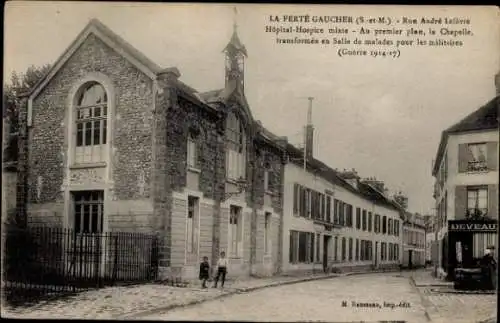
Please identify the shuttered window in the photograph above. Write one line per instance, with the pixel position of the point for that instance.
(296, 199)
(328, 208)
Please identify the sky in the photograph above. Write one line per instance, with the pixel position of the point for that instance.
(380, 116)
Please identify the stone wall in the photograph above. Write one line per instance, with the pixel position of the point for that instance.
(9, 189)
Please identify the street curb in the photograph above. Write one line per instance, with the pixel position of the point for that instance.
(425, 302)
(137, 315)
(231, 293)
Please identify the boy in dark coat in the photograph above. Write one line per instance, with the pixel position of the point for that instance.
(204, 272)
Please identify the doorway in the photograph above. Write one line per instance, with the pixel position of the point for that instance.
(410, 259)
(326, 242)
(376, 254)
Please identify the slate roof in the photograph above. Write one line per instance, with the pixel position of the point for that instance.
(484, 118)
(365, 190)
(236, 43)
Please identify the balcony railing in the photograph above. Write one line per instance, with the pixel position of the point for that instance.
(477, 166)
(475, 213)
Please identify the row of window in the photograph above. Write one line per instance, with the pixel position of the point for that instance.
(91, 133)
(88, 210)
(305, 248)
(362, 251)
(311, 204)
(389, 251)
(315, 205)
(473, 157)
(414, 238)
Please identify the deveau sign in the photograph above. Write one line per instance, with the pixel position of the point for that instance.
(473, 227)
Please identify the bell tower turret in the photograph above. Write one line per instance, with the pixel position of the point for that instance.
(235, 53)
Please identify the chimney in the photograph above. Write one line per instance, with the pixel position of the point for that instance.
(379, 185)
(497, 83)
(401, 199)
(309, 133)
(350, 176)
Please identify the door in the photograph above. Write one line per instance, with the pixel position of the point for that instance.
(410, 260)
(326, 241)
(85, 241)
(467, 249)
(376, 254)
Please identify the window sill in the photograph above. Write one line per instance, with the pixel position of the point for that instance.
(194, 169)
(267, 192)
(481, 171)
(234, 181)
(88, 165)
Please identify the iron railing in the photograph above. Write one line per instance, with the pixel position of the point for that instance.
(42, 261)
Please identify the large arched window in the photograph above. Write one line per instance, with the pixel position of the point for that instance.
(235, 147)
(91, 113)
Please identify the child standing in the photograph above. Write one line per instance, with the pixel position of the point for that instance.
(221, 269)
(204, 271)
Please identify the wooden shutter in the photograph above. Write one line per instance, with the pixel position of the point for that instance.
(341, 205)
(315, 204)
(463, 158)
(460, 202)
(295, 198)
(335, 210)
(303, 205)
(492, 155)
(493, 201)
(329, 208)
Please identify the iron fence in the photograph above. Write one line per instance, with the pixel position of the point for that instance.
(42, 261)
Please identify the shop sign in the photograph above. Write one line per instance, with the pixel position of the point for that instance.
(472, 226)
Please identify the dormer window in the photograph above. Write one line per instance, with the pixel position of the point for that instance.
(91, 110)
(235, 148)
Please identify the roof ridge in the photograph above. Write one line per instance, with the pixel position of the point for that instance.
(132, 49)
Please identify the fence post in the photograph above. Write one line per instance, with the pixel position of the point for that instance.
(115, 261)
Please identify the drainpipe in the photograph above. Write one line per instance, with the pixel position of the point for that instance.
(217, 205)
(253, 225)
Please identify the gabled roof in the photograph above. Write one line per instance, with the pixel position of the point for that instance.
(106, 35)
(484, 118)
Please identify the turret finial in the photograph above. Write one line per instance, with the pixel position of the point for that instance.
(235, 19)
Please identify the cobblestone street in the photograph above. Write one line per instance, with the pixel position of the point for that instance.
(119, 302)
(317, 300)
(445, 306)
(419, 299)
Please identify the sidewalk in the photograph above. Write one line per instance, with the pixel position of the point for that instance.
(424, 277)
(452, 307)
(129, 301)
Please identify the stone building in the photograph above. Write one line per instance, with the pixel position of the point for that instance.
(113, 142)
